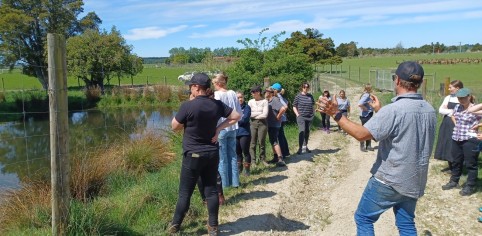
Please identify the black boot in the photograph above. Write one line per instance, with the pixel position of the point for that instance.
(369, 145)
(362, 147)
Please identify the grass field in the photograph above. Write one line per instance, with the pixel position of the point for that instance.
(358, 69)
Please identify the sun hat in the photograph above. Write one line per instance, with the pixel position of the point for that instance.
(410, 71)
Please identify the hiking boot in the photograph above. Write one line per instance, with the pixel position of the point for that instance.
(299, 151)
(369, 148)
(450, 185)
(274, 160)
(213, 230)
(173, 228)
(467, 190)
(280, 163)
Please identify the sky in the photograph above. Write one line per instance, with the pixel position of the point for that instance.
(155, 27)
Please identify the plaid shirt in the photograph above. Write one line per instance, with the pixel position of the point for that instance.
(464, 121)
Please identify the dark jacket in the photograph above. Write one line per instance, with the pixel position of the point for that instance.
(243, 124)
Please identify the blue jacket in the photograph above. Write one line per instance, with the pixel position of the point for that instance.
(244, 129)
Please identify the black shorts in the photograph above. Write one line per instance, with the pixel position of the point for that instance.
(273, 135)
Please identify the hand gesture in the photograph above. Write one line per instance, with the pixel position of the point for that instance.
(328, 107)
(375, 104)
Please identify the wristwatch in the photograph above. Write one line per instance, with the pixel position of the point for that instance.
(338, 116)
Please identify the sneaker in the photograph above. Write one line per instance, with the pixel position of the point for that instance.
(173, 228)
(450, 185)
(274, 160)
(467, 191)
(299, 151)
(369, 148)
(280, 163)
(213, 230)
(480, 219)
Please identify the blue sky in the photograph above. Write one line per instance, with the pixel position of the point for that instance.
(154, 27)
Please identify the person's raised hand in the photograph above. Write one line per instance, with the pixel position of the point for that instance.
(328, 107)
(375, 104)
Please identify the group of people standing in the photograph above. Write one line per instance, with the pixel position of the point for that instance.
(222, 136)
(223, 133)
(460, 139)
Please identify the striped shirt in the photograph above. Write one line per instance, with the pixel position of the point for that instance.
(405, 130)
(464, 121)
(304, 103)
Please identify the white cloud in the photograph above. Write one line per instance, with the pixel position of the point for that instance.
(152, 32)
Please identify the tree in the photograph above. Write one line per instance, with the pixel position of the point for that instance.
(311, 43)
(347, 50)
(24, 26)
(262, 43)
(96, 56)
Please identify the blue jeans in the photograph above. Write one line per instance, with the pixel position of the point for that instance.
(228, 163)
(376, 199)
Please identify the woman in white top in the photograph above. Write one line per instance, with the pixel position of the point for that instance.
(444, 141)
(228, 163)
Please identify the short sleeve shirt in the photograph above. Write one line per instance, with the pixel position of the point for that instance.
(200, 117)
(274, 106)
(365, 100)
(343, 104)
(405, 130)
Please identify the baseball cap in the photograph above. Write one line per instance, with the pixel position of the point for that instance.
(463, 92)
(276, 86)
(200, 79)
(256, 89)
(410, 71)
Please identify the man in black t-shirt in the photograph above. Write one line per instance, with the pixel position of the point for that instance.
(198, 117)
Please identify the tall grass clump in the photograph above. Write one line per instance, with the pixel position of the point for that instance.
(91, 172)
(27, 207)
(93, 94)
(163, 93)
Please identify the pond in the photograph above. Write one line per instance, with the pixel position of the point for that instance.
(25, 146)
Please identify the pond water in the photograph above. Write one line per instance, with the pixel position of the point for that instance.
(25, 146)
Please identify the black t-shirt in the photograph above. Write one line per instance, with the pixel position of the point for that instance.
(200, 117)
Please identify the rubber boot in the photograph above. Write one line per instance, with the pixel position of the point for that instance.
(369, 145)
(247, 167)
(240, 167)
(362, 146)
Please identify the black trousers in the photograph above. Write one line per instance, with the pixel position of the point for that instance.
(242, 147)
(202, 165)
(364, 120)
(463, 152)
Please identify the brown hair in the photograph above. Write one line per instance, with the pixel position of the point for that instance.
(367, 88)
(457, 83)
(409, 85)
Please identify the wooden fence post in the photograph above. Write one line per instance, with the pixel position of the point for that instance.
(446, 88)
(59, 135)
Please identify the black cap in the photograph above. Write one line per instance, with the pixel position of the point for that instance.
(410, 71)
(256, 89)
(200, 79)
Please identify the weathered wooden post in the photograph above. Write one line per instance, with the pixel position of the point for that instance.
(446, 87)
(59, 135)
(266, 82)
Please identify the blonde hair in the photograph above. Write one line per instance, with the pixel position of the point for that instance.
(367, 88)
(221, 78)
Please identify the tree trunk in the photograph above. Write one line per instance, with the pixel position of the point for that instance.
(42, 77)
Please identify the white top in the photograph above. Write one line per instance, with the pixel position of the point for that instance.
(231, 100)
(443, 110)
(259, 109)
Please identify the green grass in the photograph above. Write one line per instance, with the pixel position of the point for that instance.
(357, 69)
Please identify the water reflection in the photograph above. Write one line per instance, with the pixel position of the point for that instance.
(25, 146)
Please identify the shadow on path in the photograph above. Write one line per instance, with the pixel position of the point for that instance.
(264, 223)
